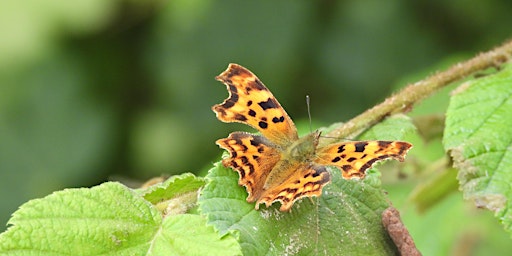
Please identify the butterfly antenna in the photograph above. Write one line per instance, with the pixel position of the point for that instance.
(309, 114)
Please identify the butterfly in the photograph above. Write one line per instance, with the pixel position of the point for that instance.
(278, 166)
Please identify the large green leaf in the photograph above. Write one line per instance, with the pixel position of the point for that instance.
(188, 234)
(478, 134)
(346, 219)
(106, 219)
(109, 219)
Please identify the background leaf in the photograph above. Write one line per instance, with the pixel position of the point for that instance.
(478, 136)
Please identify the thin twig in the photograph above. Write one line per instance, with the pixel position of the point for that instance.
(414, 93)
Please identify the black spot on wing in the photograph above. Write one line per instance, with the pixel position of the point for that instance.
(240, 117)
(263, 125)
(257, 84)
(278, 120)
(235, 72)
(252, 113)
(220, 110)
(360, 146)
(246, 162)
(255, 142)
(346, 167)
(229, 103)
(384, 144)
(321, 171)
(233, 97)
(291, 190)
(403, 147)
(242, 173)
(367, 165)
(270, 103)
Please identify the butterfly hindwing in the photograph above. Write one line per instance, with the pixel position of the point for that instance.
(306, 181)
(253, 159)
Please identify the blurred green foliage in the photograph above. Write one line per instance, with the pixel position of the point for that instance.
(91, 90)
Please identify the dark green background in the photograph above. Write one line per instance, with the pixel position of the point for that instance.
(97, 90)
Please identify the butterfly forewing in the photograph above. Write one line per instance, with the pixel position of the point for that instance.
(353, 158)
(250, 102)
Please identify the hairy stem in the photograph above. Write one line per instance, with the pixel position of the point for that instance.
(414, 93)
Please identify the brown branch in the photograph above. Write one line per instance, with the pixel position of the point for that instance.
(414, 93)
(398, 233)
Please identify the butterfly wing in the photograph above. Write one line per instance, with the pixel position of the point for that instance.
(253, 157)
(355, 157)
(251, 103)
(306, 181)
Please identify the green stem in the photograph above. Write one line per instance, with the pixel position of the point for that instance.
(403, 101)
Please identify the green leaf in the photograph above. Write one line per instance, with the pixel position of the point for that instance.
(478, 136)
(346, 219)
(172, 187)
(109, 219)
(188, 234)
(176, 195)
(392, 128)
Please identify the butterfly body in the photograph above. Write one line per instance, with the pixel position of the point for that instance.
(278, 165)
(304, 148)
(300, 151)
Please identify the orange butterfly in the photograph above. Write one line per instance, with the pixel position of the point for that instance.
(278, 165)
